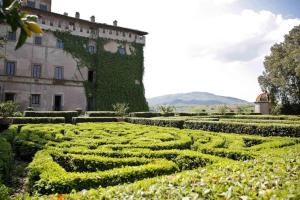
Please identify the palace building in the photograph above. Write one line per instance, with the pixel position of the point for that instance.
(48, 72)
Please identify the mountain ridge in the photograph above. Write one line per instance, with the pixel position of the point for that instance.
(193, 98)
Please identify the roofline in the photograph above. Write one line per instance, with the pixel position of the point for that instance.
(102, 25)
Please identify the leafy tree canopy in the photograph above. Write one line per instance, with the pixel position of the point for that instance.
(281, 77)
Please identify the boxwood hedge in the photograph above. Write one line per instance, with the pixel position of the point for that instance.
(68, 115)
(255, 129)
(156, 122)
(94, 119)
(102, 114)
(68, 158)
(37, 120)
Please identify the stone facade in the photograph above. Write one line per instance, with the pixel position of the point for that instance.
(41, 74)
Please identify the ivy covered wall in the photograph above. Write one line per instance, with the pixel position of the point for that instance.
(118, 77)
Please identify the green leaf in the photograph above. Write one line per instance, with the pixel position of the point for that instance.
(14, 5)
(22, 39)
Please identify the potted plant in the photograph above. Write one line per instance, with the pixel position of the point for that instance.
(7, 109)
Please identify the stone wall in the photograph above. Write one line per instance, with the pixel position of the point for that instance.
(48, 56)
(22, 84)
(262, 107)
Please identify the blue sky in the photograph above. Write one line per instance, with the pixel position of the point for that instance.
(288, 8)
(215, 46)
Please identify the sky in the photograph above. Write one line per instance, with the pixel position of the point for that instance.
(215, 46)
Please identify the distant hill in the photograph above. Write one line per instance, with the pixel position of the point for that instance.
(193, 98)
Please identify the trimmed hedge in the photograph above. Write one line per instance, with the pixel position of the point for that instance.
(37, 120)
(191, 114)
(94, 119)
(90, 155)
(255, 129)
(47, 176)
(156, 122)
(167, 114)
(145, 114)
(6, 157)
(102, 114)
(249, 113)
(28, 139)
(93, 163)
(270, 117)
(150, 114)
(47, 171)
(68, 115)
(269, 176)
(267, 121)
(257, 117)
(227, 114)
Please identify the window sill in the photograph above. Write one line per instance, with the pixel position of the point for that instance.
(58, 82)
(35, 105)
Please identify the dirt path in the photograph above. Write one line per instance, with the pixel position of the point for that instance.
(18, 177)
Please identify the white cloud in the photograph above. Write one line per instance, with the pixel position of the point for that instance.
(241, 37)
(221, 54)
(195, 45)
(223, 2)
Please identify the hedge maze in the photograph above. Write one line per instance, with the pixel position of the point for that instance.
(67, 158)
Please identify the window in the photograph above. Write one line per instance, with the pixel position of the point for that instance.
(31, 4)
(51, 23)
(43, 21)
(91, 76)
(130, 35)
(35, 99)
(38, 40)
(122, 51)
(9, 97)
(10, 68)
(44, 7)
(92, 49)
(60, 44)
(12, 36)
(36, 71)
(124, 34)
(59, 73)
(103, 30)
(92, 31)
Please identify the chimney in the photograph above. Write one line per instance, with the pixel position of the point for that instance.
(115, 23)
(77, 15)
(93, 19)
(66, 14)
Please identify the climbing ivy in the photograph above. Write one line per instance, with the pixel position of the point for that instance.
(116, 74)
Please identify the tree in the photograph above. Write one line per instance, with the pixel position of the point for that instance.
(11, 14)
(281, 77)
(222, 109)
(121, 108)
(166, 108)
